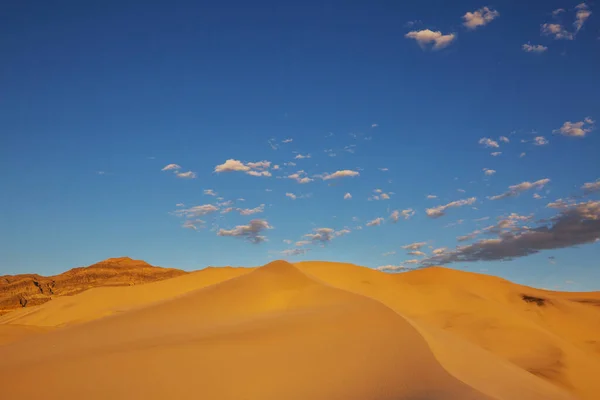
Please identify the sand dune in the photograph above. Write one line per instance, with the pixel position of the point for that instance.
(271, 334)
(310, 330)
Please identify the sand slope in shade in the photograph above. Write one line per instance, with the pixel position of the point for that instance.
(555, 341)
(271, 334)
(314, 330)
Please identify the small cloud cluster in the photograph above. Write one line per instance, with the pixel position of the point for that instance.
(376, 222)
(300, 177)
(480, 17)
(177, 171)
(558, 31)
(576, 129)
(540, 141)
(251, 232)
(324, 235)
(259, 168)
(406, 214)
(487, 142)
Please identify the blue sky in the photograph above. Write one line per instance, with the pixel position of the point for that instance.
(393, 100)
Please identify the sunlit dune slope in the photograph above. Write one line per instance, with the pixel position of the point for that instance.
(273, 333)
(11, 333)
(100, 302)
(540, 332)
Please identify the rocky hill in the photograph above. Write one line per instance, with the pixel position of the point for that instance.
(17, 291)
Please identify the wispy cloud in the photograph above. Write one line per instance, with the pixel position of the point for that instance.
(496, 153)
(480, 17)
(186, 175)
(393, 268)
(576, 129)
(294, 252)
(439, 211)
(414, 246)
(251, 211)
(302, 156)
(540, 141)
(291, 196)
(250, 232)
(426, 37)
(431, 196)
(582, 14)
(339, 174)
(514, 190)
(210, 192)
(347, 196)
(489, 172)
(557, 31)
(375, 222)
(171, 167)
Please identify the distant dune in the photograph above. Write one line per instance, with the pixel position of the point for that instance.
(311, 330)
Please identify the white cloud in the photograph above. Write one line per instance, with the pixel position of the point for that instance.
(186, 175)
(431, 196)
(439, 250)
(496, 153)
(417, 253)
(300, 177)
(374, 125)
(384, 169)
(302, 156)
(534, 48)
(179, 205)
(426, 37)
(537, 196)
(250, 232)
(232, 165)
(414, 261)
(171, 167)
(514, 190)
(556, 30)
(414, 246)
(389, 253)
(340, 174)
(406, 214)
(347, 196)
(504, 139)
(591, 187)
(489, 172)
(375, 222)
(558, 11)
(291, 196)
(289, 140)
(439, 211)
(522, 155)
(258, 173)
(582, 14)
(209, 192)
(487, 142)
(480, 17)
(576, 129)
(540, 141)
